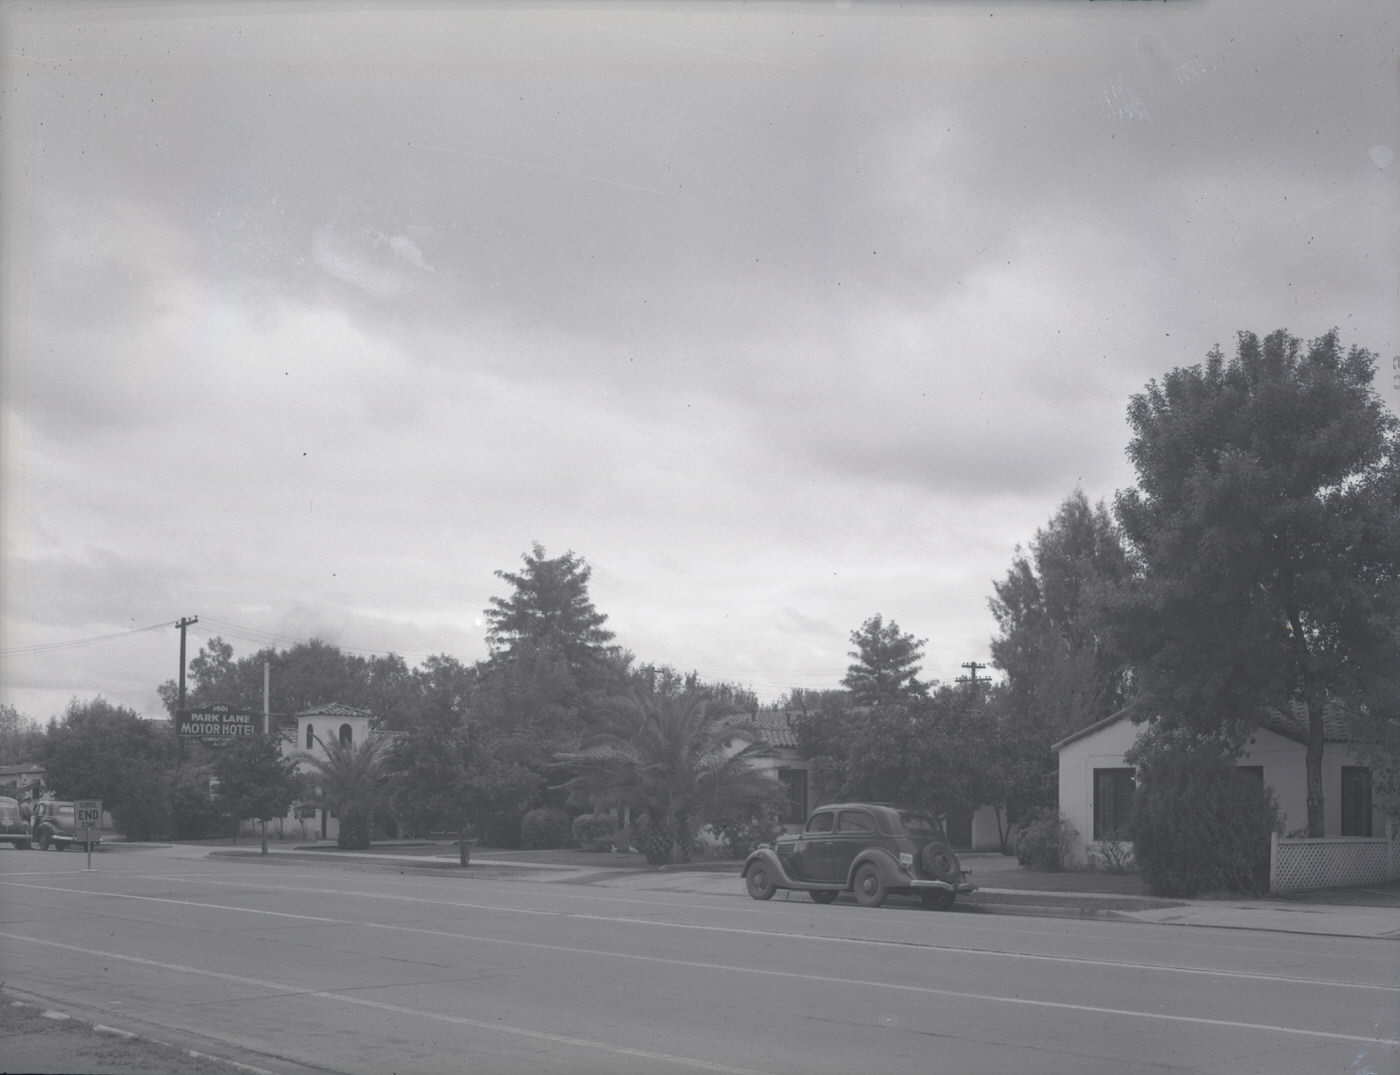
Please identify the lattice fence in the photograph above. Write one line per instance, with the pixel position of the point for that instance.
(1334, 862)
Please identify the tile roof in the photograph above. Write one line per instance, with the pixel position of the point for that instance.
(1292, 723)
(775, 727)
(22, 770)
(333, 709)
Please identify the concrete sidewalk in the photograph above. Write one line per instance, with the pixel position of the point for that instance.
(1380, 923)
(1267, 914)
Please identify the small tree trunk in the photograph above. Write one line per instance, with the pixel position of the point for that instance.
(1317, 823)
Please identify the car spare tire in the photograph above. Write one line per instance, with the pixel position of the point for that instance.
(940, 863)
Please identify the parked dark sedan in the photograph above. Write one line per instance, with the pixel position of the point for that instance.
(54, 826)
(14, 827)
(869, 849)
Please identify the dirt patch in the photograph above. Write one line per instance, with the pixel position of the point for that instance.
(30, 1040)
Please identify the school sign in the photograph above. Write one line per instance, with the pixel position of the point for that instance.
(215, 725)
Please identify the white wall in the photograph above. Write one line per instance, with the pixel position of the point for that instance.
(326, 728)
(1103, 749)
(1284, 762)
(985, 834)
(1285, 770)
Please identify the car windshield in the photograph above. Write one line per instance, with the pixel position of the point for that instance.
(918, 824)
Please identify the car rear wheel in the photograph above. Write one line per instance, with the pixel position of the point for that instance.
(824, 895)
(759, 884)
(870, 886)
(938, 899)
(44, 840)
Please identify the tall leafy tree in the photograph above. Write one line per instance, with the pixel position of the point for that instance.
(305, 675)
(1061, 673)
(1001, 760)
(256, 780)
(933, 752)
(21, 739)
(677, 761)
(1265, 527)
(105, 751)
(664, 680)
(886, 664)
(300, 677)
(449, 771)
(549, 611)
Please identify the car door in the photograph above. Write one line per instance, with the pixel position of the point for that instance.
(813, 854)
(855, 831)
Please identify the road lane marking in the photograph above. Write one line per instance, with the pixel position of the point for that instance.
(181, 903)
(965, 924)
(778, 934)
(1165, 968)
(378, 1005)
(822, 979)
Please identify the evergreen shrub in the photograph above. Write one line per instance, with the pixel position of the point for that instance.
(1044, 841)
(661, 841)
(546, 827)
(1199, 824)
(594, 832)
(743, 827)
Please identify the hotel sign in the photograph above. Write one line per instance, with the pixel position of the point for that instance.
(215, 725)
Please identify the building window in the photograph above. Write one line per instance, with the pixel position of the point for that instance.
(1251, 775)
(1356, 800)
(345, 735)
(1113, 803)
(310, 736)
(794, 781)
(855, 821)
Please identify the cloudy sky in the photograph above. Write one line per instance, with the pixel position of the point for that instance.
(780, 315)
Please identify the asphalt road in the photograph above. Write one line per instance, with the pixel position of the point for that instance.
(308, 967)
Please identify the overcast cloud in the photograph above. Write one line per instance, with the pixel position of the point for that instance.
(315, 316)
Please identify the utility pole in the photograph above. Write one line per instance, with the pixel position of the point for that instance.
(182, 624)
(180, 705)
(971, 678)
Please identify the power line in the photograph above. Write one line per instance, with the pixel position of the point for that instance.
(78, 643)
(267, 638)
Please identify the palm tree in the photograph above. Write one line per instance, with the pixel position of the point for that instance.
(675, 761)
(349, 778)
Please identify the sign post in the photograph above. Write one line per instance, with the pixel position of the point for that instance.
(87, 815)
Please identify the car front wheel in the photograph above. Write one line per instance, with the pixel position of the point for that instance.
(43, 841)
(870, 886)
(759, 884)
